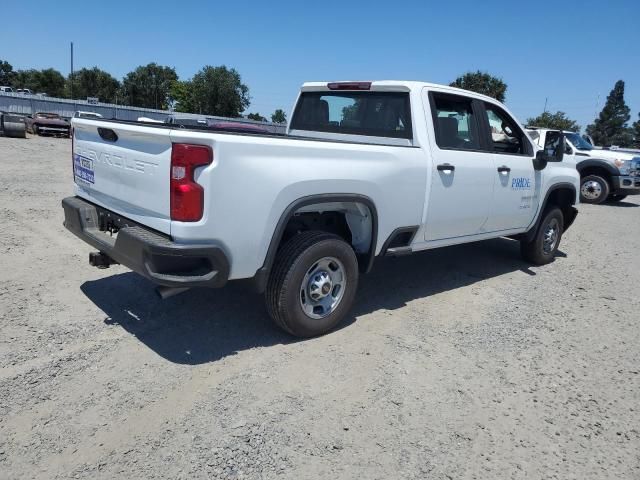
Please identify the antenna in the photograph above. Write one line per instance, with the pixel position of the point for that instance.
(71, 87)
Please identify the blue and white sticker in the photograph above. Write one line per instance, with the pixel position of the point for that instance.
(521, 183)
(83, 169)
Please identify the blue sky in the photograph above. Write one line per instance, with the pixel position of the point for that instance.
(570, 52)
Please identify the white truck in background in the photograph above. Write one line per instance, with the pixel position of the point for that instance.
(605, 175)
(366, 169)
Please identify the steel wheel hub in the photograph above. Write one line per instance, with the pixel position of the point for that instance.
(550, 238)
(322, 287)
(591, 190)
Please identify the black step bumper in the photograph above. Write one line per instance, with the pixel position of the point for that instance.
(145, 251)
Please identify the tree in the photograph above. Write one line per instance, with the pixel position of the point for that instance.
(610, 128)
(556, 120)
(149, 86)
(93, 82)
(482, 82)
(181, 96)
(6, 74)
(51, 82)
(279, 116)
(257, 117)
(219, 91)
(636, 133)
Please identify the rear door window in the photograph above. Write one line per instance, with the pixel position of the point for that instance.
(376, 114)
(455, 123)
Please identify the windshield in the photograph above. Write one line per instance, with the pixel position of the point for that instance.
(52, 116)
(578, 142)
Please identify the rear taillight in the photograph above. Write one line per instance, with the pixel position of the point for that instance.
(187, 197)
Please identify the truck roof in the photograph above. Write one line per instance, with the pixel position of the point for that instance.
(545, 129)
(394, 85)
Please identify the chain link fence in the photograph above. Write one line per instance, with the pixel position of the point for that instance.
(27, 104)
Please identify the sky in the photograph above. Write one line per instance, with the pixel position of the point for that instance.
(569, 54)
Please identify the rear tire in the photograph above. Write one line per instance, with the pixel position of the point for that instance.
(594, 189)
(542, 249)
(616, 198)
(312, 284)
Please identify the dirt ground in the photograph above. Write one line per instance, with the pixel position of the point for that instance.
(459, 363)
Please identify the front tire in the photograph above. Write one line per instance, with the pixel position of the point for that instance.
(542, 249)
(594, 189)
(313, 283)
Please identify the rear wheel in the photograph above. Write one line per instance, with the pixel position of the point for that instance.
(313, 283)
(542, 249)
(593, 189)
(616, 198)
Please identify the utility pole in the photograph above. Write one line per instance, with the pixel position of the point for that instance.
(71, 77)
(545, 105)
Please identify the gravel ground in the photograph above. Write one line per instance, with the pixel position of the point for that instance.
(458, 363)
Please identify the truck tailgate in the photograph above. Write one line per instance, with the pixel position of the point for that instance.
(127, 173)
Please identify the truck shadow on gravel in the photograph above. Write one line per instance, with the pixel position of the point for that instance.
(621, 204)
(201, 326)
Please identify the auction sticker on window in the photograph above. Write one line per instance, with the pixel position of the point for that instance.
(83, 169)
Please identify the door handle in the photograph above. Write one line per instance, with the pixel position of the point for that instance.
(504, 169)
(446, 167)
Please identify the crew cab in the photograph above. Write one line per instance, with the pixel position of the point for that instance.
(365, 170)
(605, 175)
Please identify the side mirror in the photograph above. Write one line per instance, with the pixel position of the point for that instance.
(554, 150)
(554, 146)
(540, 162)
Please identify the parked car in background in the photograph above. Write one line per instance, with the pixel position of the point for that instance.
(6, 89)
(365, 170)
(605, 174)
(184, 121)
(25, 91)
(43, 123)
(82, 114)
(149, 120)
(237, 127)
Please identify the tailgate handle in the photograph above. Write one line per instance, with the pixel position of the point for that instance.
(107, 134)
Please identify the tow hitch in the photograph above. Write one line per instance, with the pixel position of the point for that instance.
(101, 260)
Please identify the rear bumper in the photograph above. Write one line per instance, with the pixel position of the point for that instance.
(147, 252)
(625, 185)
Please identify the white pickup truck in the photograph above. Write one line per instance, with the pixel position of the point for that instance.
(366, 169)
(605, 175)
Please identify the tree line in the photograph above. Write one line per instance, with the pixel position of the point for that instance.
(610, 128)
(212, 90)
(220, 91)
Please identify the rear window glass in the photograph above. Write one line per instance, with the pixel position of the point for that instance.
(376, 114)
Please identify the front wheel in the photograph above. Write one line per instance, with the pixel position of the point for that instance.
(313, 283)
(593, 189)
(542, 249)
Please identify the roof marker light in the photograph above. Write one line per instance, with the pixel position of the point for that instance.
(349, 86)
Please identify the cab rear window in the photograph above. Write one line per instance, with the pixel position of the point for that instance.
(376, 114)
